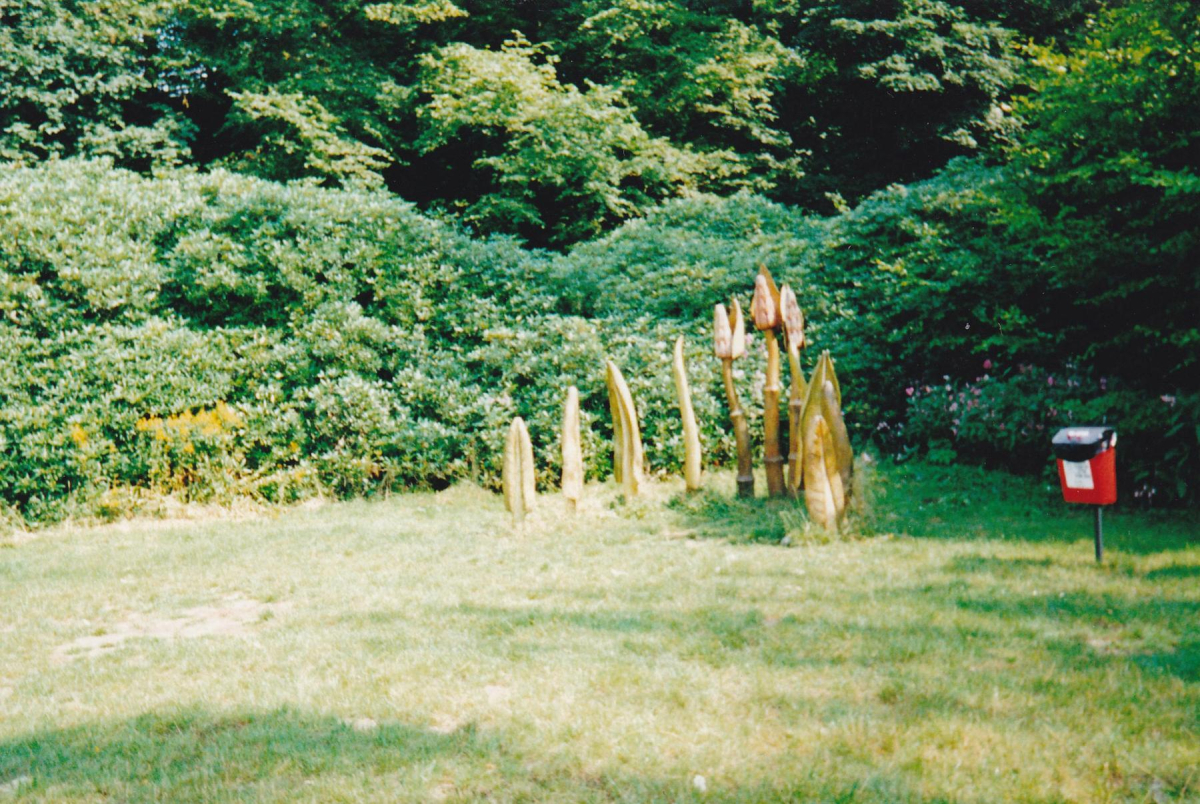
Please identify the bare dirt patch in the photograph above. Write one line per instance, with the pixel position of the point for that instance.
(231, 616)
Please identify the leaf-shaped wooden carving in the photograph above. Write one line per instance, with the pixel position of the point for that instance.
(614, 407)
(831, 375)
(631, 454)
(812, 400)
(823, 491)
(691, 433)
(572, 450)
(832, 413)
(520, 491)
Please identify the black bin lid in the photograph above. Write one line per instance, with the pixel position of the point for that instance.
(1077, 444)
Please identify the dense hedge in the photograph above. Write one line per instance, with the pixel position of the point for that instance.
(217, 335)
(213, 336)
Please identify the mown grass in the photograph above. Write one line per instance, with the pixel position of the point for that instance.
(418, 649)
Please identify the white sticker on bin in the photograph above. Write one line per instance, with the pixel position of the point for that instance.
(1078, 475)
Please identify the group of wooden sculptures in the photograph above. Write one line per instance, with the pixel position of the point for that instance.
(819, 457)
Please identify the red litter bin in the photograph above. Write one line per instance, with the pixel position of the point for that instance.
(1087, 464)
(1087, 469)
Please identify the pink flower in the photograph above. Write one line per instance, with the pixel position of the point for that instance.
(953, 406)
(987, 365)
(910, 390)
(1104, 383)
(1168, 399)
(1050, 381)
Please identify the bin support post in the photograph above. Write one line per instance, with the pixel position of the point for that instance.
(1099, 533)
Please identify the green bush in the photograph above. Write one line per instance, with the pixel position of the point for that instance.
(335, 325)
(686, 256)
(352, 344)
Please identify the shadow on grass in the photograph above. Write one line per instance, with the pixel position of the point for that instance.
(196, 755)
(723, 638)
(932, 671)
(718, 637)
(708, 514)
(1152, 634)
(284, 755)
(994, 565)
(1174, 572)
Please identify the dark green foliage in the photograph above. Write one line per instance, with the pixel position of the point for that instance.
(685, 257)
(1007, 416)
(1111, 183)
(537, 139)
(934, 71)
(554, 122)
(337, 326)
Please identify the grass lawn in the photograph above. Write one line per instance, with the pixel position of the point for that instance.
(416, 649)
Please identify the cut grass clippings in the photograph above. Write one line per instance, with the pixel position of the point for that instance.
(967, 648)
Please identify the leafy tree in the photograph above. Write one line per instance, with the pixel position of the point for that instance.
(702, 74)
(79, 78)
(1112, 189)
(547, 148)
(286, 90)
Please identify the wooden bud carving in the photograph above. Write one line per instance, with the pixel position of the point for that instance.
(737, 322)
(691, 433)
(520, 491)
(764, 307)
(722, 333)
(729, 331)
(793, 326)
(572, 450)
(729, 343)
(793, 319)
(627, 438)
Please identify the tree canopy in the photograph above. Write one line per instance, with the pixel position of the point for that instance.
(552, 120)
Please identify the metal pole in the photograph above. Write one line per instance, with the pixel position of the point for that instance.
(1099, 533)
